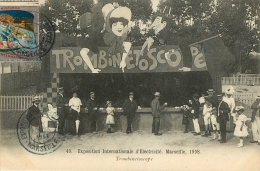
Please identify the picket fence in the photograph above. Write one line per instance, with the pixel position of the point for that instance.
(16, 103)
(240, 80)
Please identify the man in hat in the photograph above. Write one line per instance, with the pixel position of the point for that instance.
(130, 107)
(255, 119)
(34, 118)
(223, 111)
(61, 111)
(92, 111)
(195, 111)
(212, 98)
(231, 103)
(156, 112)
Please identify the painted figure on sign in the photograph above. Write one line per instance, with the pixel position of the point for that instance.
(115, 31)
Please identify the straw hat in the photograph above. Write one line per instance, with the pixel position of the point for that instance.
(238, 108)
(36, 99)
(157, 94)
(258, 96)
(108, 102)
(210, 91)
(131, 93)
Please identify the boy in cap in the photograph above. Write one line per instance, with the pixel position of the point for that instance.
(255, 119)
(130, 107)
(156, 112)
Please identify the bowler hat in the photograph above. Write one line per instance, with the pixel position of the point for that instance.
(157, 94)
(196, 95)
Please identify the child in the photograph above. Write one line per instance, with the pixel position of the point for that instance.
(241, 128)
(215, 124)
(110, 116)
(207, 110)
(185, 119)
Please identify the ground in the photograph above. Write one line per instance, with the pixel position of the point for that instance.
(212, 155)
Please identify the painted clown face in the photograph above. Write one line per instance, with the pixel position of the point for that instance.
(118, 28)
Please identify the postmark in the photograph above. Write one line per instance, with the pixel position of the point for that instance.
(35, 141)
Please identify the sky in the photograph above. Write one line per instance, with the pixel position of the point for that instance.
(155, 3)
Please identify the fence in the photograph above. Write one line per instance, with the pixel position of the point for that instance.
(15, 103)
(240, 80)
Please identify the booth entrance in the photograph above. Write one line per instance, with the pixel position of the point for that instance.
(176, 88)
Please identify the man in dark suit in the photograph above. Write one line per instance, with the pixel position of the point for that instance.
(156, 112)
(34, 118)
(130, 107)
(223, 111)
(61, 111)
(92, 111)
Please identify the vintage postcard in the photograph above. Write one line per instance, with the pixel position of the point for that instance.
(130, 85)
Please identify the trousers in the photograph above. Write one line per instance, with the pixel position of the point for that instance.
(156, 125)
(130, 120)
(256, 129)
(93, 124)
(223, 127)
(62, 116)
(196, 125)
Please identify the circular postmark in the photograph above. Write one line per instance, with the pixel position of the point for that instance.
(31, 36)
(35, 140)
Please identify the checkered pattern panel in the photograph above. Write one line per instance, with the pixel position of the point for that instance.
(50, 94)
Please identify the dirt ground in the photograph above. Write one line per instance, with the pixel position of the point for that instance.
(212, 155)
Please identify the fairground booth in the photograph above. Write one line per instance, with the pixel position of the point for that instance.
(177, 70)
(144, 75)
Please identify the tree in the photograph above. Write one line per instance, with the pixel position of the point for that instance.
(234, 21)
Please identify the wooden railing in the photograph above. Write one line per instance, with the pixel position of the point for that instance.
(240, 81)
(15, 103)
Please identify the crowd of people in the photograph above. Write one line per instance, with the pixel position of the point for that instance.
(217, 110)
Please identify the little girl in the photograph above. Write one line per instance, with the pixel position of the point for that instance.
(110, 116)
(241, 128)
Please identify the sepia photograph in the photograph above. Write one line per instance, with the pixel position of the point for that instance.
(130, 85)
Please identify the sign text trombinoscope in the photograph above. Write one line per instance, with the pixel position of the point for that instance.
(157, 59)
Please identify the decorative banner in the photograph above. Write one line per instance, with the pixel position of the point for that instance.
(198, 58)
(158, 59)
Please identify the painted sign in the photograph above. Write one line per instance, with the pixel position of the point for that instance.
(198, 58)
(157, 59)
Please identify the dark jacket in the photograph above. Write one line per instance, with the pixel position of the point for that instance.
(156, 108)
(255, 108)
(61, 104)
(223, 111)
(34, 116)
(213, 100)
(195, 106)
(91, 104)
(129, 107)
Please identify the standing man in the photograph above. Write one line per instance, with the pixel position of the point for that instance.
(195, 112)
(130, 107)
(223, 111)
(255, 119)
(228, 98)
(92, 110)
(61, 111)
(34, 118)
(156, 112)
